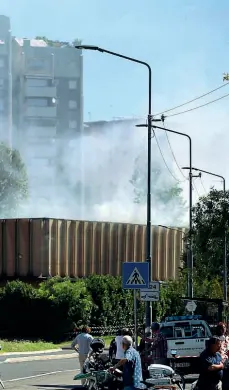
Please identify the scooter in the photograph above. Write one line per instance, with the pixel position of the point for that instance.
(163, 377)
(160, 376)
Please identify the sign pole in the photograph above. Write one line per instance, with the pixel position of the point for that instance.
(135, 319)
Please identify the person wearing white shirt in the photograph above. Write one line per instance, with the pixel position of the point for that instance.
(119, 350)
(119, 345)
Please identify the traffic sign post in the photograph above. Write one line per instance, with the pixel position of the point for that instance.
(152, 294)
(149, 296)
(135, 275)
(191, 306)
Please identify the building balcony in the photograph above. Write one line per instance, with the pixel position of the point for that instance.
(41, 112)
(49, 92)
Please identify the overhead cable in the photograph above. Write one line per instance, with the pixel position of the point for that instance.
(193, 100)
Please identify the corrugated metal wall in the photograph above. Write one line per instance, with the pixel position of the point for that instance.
(34, 247)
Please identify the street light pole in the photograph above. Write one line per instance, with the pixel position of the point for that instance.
(149, 125)
(190, 262)
(225, 230)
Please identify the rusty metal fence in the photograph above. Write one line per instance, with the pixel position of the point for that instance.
(34, 247)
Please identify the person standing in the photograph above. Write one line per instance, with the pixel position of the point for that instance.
(221, 333)
(211, 366)
(159, 347)
(131, 364)
(118, 342)
(81, 344)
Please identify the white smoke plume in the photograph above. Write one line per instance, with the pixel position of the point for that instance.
(95, 184)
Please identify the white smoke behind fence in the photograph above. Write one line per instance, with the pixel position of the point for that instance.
(95, 184)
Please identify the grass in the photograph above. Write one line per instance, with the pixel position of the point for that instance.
(27, 346)
(30, 346)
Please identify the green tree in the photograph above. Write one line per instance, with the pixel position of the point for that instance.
(72, 299)
(166, 192)
(57, 43)
(210, 216)
(13, 181)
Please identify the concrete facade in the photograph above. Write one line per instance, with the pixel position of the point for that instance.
(41, 98)
(5, 80)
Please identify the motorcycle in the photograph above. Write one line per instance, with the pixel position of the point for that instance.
(163, 377)
(95, 373)
(101, 380)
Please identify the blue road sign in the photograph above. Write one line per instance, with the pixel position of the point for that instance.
(135, 275)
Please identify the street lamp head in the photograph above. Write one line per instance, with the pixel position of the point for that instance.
(89, 47)
(142, 125)
(194, 169)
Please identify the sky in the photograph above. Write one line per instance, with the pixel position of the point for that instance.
(186, 44)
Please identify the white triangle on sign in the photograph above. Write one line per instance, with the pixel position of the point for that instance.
(135, 278)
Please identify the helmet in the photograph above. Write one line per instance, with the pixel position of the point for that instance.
(97, 345)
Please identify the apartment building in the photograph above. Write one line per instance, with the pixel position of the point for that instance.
(41, 98)
(5, 80)
(47, 104)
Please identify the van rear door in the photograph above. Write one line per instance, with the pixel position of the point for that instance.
(188, 339)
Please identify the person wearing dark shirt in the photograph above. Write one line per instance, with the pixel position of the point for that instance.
(211, 366)
(159, 345)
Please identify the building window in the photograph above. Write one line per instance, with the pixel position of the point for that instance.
(36, 63)
(2, 63)
(72, 84)
(72, 104)
(37, 82)
(72, 124)
(42, 102)
(41, 122)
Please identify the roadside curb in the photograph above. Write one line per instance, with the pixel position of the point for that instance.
(39, 352)
(40, 358)
(32, 352)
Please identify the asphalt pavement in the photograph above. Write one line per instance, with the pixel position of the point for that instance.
(53, 371)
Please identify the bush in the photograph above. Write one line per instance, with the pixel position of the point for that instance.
(112, 306)
(50, 311)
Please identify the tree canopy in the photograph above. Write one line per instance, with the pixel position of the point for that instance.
(13, 181)
(57, 43)
(165, 190)
(210, 218)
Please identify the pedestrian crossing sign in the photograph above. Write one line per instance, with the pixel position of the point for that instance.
(135, 275)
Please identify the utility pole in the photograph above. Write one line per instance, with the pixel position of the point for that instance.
(225, 228)
(149, 147)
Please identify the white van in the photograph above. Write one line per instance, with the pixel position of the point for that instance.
(186, 337)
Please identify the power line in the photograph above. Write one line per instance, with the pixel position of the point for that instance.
(178, 166)
(162, 155)
(193, 100)
(203, 185)
(202, 105)
(195, 188)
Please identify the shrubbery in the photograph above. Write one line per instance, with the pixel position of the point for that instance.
(50, 310)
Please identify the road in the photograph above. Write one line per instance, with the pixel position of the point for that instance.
(51, 374)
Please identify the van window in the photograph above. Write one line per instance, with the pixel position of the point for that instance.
(198, 331)
(167, 331)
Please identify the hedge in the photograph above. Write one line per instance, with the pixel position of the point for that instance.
(51, 310)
